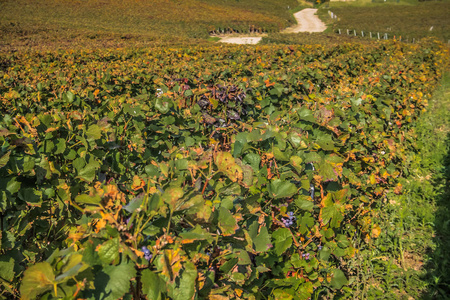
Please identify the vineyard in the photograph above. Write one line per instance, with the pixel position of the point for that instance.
(212, 172)
(51, 24)
(424, 19)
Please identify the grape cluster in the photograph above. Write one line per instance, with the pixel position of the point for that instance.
(289, 221)
(232, 99)
(147, 254)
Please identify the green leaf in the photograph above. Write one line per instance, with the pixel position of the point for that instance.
(6, 267)
(36, 280)
(325, 253)
(296, 162)
(282, 240)
(109, 251)
(86, 199)
(253, 160)
(114, 281)
(132, 110)
(186, 287)
(244, 258)
(181, 164)
(262, 241)
(282, 189)
(60, 146)
(163, 105)
(93, 133)
(152, 285)
(68, 97)
(134, 204)
(88, 172)
(198, 233)
(332, 212)
(339, 279)
(306, 114)
(70, 272)
(325, 141)
(302, 202)
(31, 196)
(4, 159)
(13, 186)
(326, 171)
(79, 164)
(280, 155)
(227, 223)
(307, 221)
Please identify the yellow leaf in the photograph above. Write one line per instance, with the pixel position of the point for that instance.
(36, 280)
(171, 263)
(227, 165)
(138, 183)
(372, 179)
(172, 195)
(376, 231)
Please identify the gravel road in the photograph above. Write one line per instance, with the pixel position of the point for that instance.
(307, 21)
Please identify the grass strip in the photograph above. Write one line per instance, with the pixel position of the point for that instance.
(410, 259)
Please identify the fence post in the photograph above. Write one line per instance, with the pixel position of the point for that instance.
(378, 35)
(354, 31)
(370, 33)
(362, 33)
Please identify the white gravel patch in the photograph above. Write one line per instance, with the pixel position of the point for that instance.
(240, 40)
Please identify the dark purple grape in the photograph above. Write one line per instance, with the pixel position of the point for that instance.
(145, 250)
(148, 257)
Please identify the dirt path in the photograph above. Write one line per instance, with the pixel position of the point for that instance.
(307, 22)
